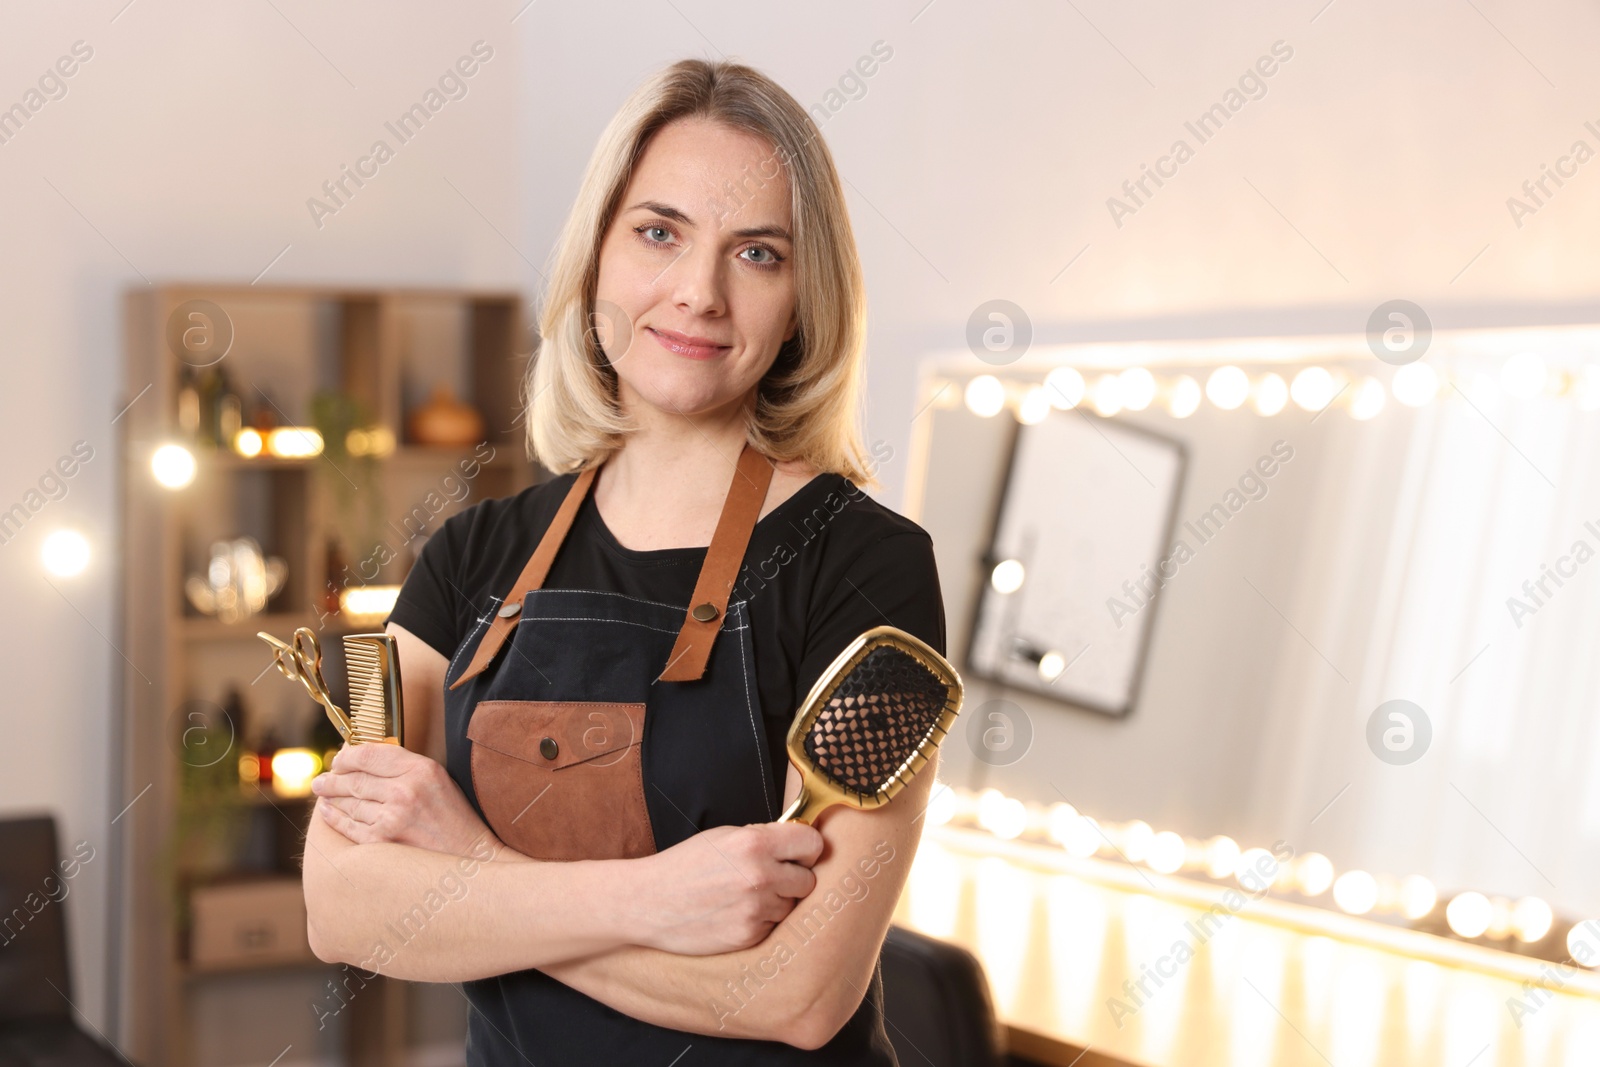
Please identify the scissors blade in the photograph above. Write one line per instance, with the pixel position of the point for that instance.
(293, 663)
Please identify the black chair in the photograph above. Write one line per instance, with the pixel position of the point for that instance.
(936, 1004)
(36, 1022)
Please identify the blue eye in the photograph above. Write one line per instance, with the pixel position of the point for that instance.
(771, 260)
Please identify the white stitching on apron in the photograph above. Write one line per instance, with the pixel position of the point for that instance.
(755, 734)
(463, 646)
(624, 622)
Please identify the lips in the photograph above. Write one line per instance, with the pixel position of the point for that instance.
(686, 345)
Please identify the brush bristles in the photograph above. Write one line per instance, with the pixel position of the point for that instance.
(879, 717)
(369, 706)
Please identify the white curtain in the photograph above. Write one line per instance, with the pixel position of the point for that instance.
(1426, 521)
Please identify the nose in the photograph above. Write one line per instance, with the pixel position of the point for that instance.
(695, 281)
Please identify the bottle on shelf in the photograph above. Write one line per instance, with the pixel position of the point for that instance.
(189, 405)
(209, 389)
(334, 585)
(230, 413)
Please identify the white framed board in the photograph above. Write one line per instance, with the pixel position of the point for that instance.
(1087, 511)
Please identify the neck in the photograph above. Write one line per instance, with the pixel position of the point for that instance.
(677, 456)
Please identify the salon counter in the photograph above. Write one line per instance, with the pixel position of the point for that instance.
(1272, 984)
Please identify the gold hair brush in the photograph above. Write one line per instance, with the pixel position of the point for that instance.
(372, 664)
(872, 721)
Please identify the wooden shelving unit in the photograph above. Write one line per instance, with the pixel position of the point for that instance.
(384, 349)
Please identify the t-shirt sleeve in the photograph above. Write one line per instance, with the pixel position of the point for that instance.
(427, 602)
(893, 582)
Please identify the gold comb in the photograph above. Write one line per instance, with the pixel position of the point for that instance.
(372, 666)
(372, 663)
(871, 722)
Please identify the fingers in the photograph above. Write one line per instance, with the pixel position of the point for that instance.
(355, 832)
(792, 841)
(356, 809)
(340, 784)
(791, 880)
(354, 784)
(385, 761)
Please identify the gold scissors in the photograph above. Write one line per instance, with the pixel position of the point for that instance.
(301, 660)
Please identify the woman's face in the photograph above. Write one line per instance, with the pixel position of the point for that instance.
(700, 264)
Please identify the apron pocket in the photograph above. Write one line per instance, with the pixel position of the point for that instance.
(562, 779)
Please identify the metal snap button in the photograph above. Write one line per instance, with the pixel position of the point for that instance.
(548, 748)
(509, 608)
(704, 612)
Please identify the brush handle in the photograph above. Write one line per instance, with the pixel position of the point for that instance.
(805, 808)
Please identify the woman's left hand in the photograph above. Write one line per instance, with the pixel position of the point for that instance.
(388, 793)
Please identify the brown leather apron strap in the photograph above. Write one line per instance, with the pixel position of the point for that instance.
(740, 511)
(532, 576)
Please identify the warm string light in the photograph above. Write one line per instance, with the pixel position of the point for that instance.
(1522, 376)
(1468, 915)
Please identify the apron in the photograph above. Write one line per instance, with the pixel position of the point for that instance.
(601, 726)
(597, 725)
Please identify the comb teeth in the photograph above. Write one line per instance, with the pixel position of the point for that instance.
(879, 715)
(366, 664)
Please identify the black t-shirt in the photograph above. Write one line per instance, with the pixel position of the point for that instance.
(823, 567)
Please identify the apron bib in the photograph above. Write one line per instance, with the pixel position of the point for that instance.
(601, 726)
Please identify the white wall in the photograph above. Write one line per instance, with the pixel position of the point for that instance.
(186, 148)
(978, 162)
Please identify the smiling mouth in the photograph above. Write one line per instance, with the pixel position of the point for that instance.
(683, 346)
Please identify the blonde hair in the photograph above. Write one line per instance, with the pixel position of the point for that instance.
(807, 405)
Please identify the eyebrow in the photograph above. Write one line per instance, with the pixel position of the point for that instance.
(667, 211)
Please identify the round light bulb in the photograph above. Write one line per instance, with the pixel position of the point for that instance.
(1468, 914)
(65, 553)
(985, 396)
(1167, 852)
(1222, 857)
(1531, 919)
(1313, 874)
(1051, 664)
(1228, 387)
(1001, 815)
(1313, 389)
(1060, 818)
(1256, 869)
(1136, 838)
(1355, 892)
(1270, 394)
(1083, 839)
(1583, 942)
(1417, 894)
(1137, 387)
(1106, 396)
(1183, 399)
(172, 466)
(1007, 576)
(1415, 384)
(1034, 407)
(1368, 399)
(1065, 388)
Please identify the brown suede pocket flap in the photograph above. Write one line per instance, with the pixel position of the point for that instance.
(580, 730)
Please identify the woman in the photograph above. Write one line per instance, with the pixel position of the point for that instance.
(613, 657)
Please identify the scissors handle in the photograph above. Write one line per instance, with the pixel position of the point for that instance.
(302, 661)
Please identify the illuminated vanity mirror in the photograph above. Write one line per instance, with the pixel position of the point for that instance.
(1284, 590)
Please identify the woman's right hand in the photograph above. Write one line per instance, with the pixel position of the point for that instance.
(725, 888)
